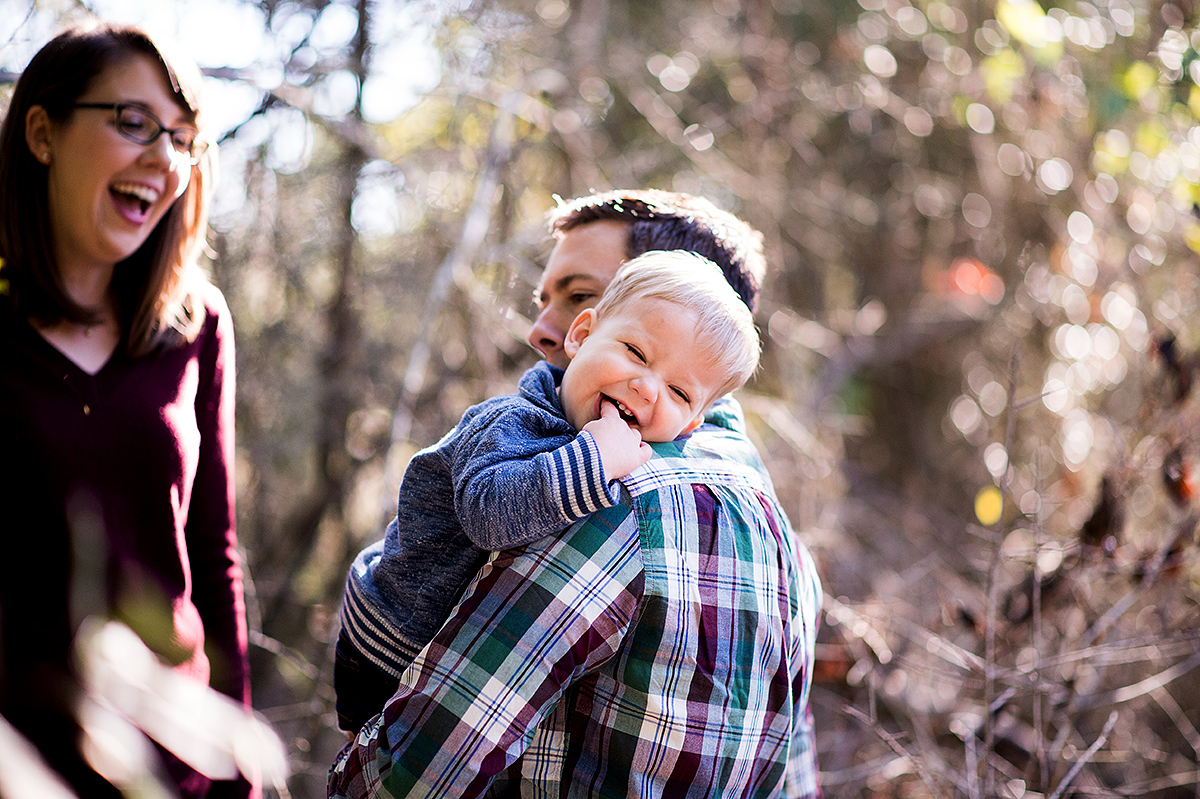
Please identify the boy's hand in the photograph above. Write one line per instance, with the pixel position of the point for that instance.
(621, 447)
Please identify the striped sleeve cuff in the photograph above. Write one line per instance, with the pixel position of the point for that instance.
(580, 484)
(373, 634)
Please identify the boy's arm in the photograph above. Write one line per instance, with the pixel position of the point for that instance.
(516, 481)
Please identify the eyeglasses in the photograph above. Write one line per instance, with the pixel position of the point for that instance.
(139, 125)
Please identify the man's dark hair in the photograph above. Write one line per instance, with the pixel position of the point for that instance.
(663, 220)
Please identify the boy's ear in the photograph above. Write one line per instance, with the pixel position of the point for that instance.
(692, 425)
(579, 330)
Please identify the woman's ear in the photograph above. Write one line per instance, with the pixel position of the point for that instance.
(38, 133)
(579, 330)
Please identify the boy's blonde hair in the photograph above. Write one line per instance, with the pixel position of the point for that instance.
(725, 326)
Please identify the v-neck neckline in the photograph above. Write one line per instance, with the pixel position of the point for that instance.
(66, 360)
(78, 366)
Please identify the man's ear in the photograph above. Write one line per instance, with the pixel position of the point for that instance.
(38, 132)
(579, 330)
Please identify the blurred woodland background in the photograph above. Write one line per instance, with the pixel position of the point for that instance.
(980, 324)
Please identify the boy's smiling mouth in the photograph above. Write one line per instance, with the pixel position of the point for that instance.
(625, 414)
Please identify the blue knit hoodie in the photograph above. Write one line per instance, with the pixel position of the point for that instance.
(511, 472)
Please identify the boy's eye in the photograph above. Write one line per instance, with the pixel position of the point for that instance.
(683, 395)
(635, 352)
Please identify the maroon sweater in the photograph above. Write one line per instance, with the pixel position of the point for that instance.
(116, 495)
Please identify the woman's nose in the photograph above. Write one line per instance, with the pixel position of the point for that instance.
(160, 150)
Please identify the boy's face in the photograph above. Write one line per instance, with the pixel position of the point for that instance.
(646, 361)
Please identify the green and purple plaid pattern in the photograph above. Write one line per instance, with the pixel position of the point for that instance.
(661, 647)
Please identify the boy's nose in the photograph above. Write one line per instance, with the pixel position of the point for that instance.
(645, 386)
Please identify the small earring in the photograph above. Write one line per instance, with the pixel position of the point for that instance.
(44, 157)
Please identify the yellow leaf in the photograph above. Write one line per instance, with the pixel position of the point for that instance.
(1139, 78)
(1001, 73)
(1026, 22)
(1150, 137)
(1191, 237)
(1112, 151)
(989, 504)
(1183, 191)
(1024, 19)
(1194, 101)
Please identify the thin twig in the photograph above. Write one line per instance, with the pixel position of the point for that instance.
(893, 742)
(1087, 756)
(993, 583)
(1020, 405)
(854, 773)
(972, 754)
(1185, 528)
(1038, 643)
(281, 650)
(1185, 726)
(1141, 687)
(1168, 703)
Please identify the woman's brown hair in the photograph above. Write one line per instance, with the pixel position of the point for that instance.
(155, 288)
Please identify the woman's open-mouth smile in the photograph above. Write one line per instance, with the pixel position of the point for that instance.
(134, 200)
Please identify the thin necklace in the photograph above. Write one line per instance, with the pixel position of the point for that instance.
(88, 329)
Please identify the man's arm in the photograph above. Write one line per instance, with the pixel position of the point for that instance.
(531, 623)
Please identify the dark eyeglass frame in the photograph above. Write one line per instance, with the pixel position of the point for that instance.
(191, 152)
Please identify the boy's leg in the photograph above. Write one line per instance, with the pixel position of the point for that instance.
(361, 687)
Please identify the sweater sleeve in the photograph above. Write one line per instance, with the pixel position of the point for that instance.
(211, 528)
(211, 534)
(516, 481)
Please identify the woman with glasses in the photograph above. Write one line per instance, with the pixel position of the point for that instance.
(116, 390)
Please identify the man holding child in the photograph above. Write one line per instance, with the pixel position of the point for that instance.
(661, 646)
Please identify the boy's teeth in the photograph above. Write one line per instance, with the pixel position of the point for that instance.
(624, 412)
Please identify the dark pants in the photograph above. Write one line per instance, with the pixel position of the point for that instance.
(361, 687)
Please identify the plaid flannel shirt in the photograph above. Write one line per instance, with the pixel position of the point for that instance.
(661, 647)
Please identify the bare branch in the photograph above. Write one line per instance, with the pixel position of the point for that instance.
(1087, 756)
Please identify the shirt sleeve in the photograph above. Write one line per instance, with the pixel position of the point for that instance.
(532, 623)
(514, 483)
(800, 776)
(801, 770)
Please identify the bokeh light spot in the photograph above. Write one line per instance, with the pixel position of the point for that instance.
(989, 505)
(880, 60)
